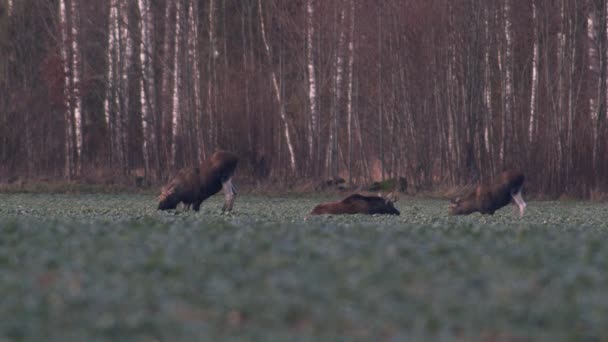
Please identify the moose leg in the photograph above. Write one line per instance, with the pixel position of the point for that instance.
(521, 204)
(229, 194)
(197, 205)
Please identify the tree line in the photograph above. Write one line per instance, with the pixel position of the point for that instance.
(441, 92)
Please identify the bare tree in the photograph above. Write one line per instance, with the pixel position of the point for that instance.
(534, 80)
(277, 91)
(349, 103)
(440, 92)
(313, 128)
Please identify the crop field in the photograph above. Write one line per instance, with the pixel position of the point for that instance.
(111, 267)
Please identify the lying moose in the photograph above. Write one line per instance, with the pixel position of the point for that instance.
(488, 198)
(359, 204)
(193, 185)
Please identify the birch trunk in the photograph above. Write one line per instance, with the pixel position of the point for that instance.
(595, 78)
(166, 119)
(65, 55)
(125, 51)
(507, 130)
(561, 61)
(332, 155)
(312, 86)
(573, 86)
(246, 68)
(147, 95)
(277, 91)
(175, 111)
(487, 130)
(380, 102)
(605, 45)
(534, 81)
(109, 101)
(450, 101)
(77, 99)
(349, 104)
(211, 75)
(193, 50)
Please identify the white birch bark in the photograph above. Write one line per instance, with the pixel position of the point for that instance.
(508, 81)
(147, 97)
(593, 56)
(166, 87)
(246, 69)
(194, 61)
(572, 24)
(561, 39)
(143, 27)
(211, 75)
(534, 85)
(380, 96)
(312, 83)
(606, 60)
(109, 58)
(349, 103)
(175, 112)
(110, 101)
(10, 7)
(450, 106)
(594, 60)
(487, 84)
(332, 155)
(123, 56)
(277, 92)
(66, 68)
(77, 100)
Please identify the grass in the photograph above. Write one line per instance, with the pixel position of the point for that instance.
(98, 267)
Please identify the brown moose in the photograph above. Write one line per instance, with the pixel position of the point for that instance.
(486, 199)
(193, 185)
(358, 204)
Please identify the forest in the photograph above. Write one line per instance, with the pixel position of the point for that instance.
(441, 92)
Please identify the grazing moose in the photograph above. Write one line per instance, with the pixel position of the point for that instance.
(488, 198)
(194, 185)
(358, 204)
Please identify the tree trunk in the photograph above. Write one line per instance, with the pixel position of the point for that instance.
(534, 81)
(313, 135)
(349, 104)
(332, 150)
(211, 120)
(176, 110)
(277, 91)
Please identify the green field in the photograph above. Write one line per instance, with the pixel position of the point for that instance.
(99, 267)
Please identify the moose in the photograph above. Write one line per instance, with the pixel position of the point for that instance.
(193, 185)
(486, 199)
(359, 204)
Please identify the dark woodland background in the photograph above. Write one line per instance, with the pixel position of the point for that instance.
(442, 92)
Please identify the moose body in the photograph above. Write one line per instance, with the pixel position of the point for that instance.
(486, 199)
(193, 185)
(357, 204)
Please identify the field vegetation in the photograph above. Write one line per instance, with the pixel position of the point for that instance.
(93, 266)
